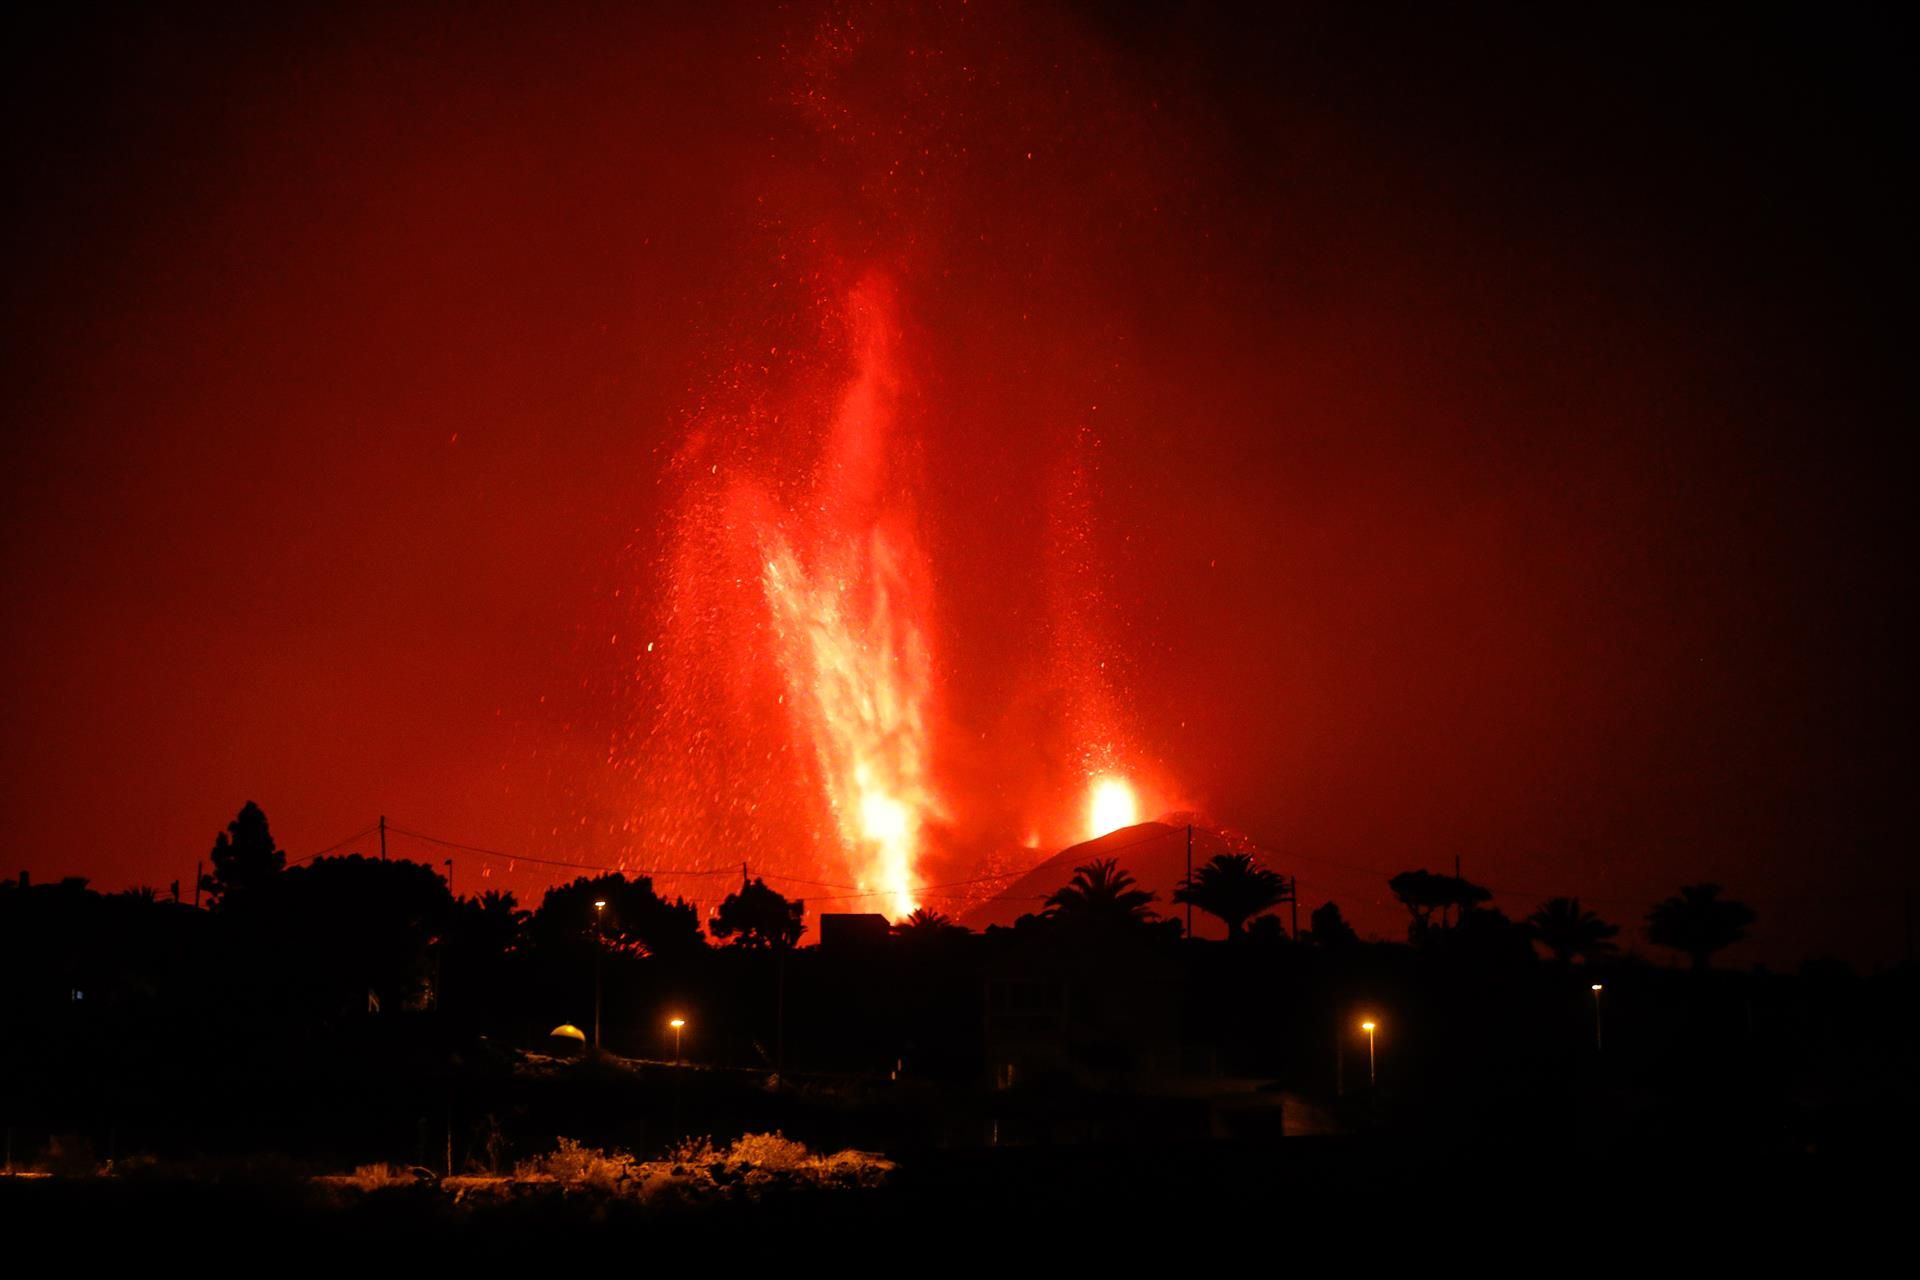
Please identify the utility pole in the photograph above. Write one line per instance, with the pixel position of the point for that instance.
(383, 837)
(449, 877)
(1339, 1056)
(1189, 879)
(1293, 904)
(199, 872)
(598, 946)
(1909, 928)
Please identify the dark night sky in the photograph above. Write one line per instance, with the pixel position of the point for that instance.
(1499, 415)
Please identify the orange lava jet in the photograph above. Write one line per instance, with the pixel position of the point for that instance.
(848, 604)
(1112, 806)
(802, 723)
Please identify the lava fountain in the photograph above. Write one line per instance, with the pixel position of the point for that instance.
(795, 696)
(849, 604)
(818, 710)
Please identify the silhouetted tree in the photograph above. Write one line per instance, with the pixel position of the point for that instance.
(1329, 928)
(757, 917)
(927, 926)
(344, 927)
(245, 861)
(1699, 922)
(1232, 887)
(1571, 933)
(482, 955)
(1100, 894)
(1489, 936)
(635, 920)
(1424, 892)
(1266, 929)
(491, 924)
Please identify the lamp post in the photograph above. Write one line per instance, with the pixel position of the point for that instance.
(1372, 1075)
(1597, 989)
(678, 1024)
(599, 908)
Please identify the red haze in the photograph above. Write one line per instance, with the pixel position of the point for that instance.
(1398, 443)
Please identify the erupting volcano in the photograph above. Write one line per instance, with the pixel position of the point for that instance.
(877, 663)
(798, 726)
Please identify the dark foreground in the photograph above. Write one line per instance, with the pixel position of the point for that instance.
(1271, 1206)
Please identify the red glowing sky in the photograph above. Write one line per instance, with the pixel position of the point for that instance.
(1469, 440)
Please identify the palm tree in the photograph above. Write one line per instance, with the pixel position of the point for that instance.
(927, 926)
(1699, 922)
(1567, 931)
(1100, 893)
(1234, 888)
(495, 918)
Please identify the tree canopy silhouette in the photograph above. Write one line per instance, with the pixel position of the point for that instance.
(1563, 928)
(1699, 922)
(245, 860)
(1233, 888)
(1100, 894)
(353, 925)
(484, 942)
(494, 921)
(1425, 892)
(1329, 928)
(927, 926)
(758, 917)
(635, 920)
(1488, 936)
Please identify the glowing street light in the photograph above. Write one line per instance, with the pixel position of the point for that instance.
(678, 1024)
(1597, 989)
(1372, 1075)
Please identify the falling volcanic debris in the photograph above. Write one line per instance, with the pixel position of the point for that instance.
(799, 690)
(848, 599)
(802, 711)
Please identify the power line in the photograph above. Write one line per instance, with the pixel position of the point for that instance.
(358, 835)
(546, 862)
(851, 890)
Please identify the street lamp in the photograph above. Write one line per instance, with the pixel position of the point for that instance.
(1372, 1075)
(599, 907)
(677, 1024)
(1597, 989)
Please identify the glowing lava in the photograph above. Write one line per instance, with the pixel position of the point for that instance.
(801, 724)
(847, 606)
(1113, 806)
(878, 668)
